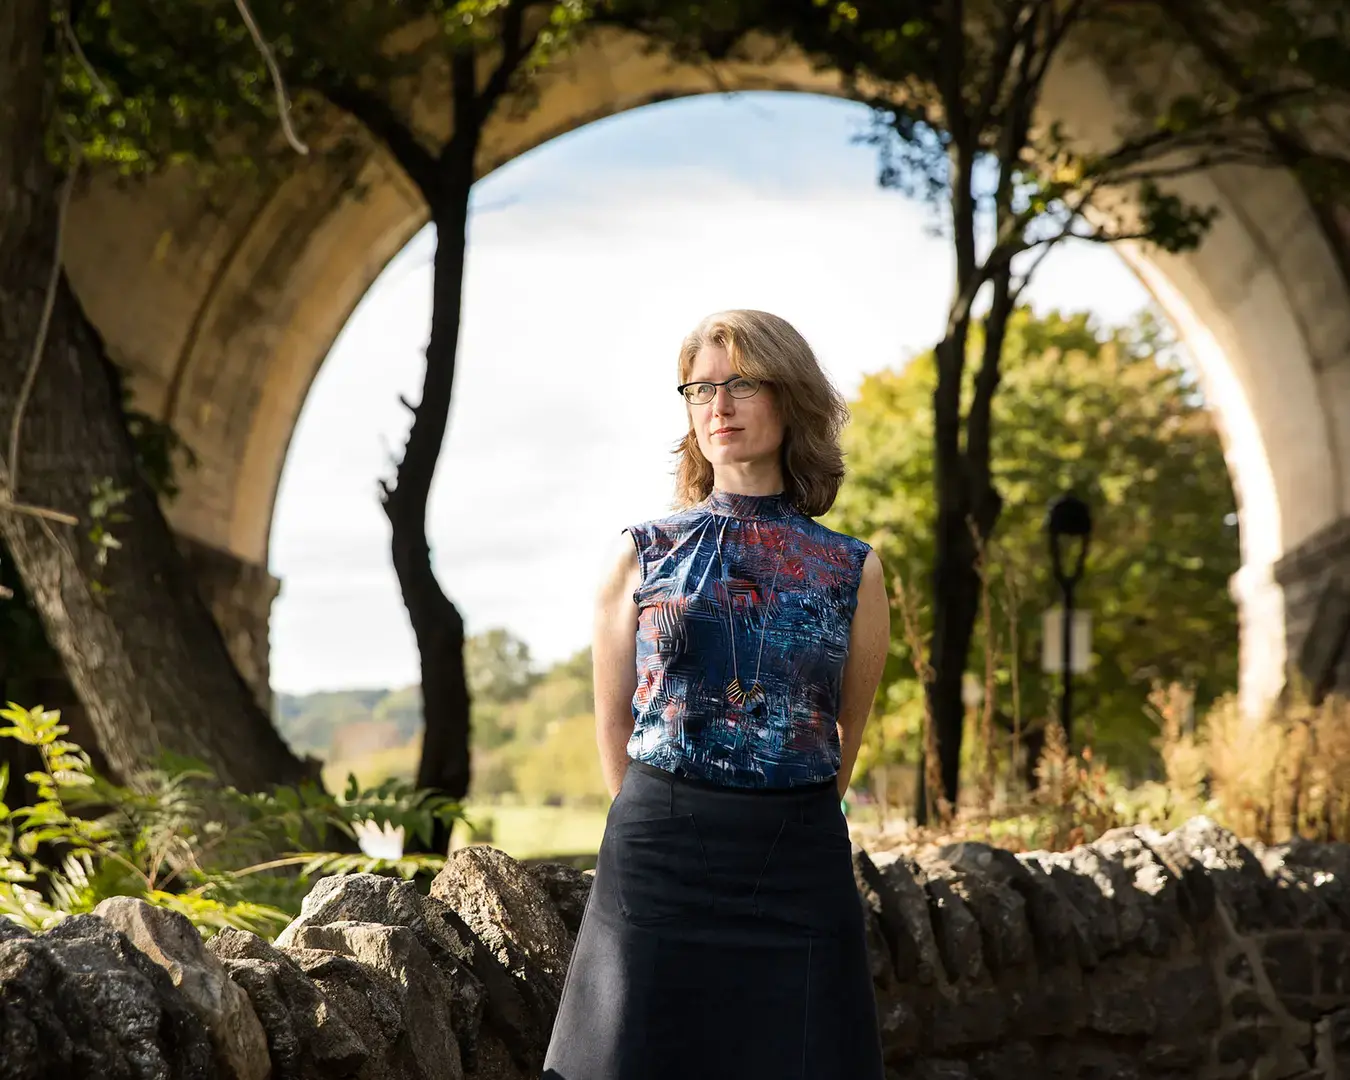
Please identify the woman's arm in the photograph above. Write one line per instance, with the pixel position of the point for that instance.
(869, 642)
(614, 660)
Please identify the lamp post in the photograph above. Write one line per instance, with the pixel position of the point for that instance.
(1069, 520)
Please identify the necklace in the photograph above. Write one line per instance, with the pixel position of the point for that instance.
(735, 693)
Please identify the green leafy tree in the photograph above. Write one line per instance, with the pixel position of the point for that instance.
(520, 741)
(564, 767)
(1111, 415)
(956, 88)
(499, 666)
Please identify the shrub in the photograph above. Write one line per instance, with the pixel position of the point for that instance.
(174, 837)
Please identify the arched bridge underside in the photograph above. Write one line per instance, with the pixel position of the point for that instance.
(223, 317)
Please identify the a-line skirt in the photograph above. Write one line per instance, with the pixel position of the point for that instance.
(723, 940)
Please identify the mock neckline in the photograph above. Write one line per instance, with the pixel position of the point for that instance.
(734, 504)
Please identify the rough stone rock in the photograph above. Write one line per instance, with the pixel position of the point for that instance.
(46, 1029)
(171, 941)
(900, 1026)
(372, 1002)
(1004, 1062)
(1333, 966)
(432, 1050)
(901, 954)
(1120, 1004)
(496, 1062)
(956, 930)
(971, 1016)
(1057, 928)
(507, 908)
(1053, 1004)
(1332, 1042)
(307, 1036)
(1147, 893)
(904, 915)
(371, 898)
(1214, 866)
(568, 888)
(484, 993)
(1125, 894)
(1005, 936)
(135, 1017)
(1186, 1001)
(1313, 881)
(934, 1068)
(12, 931)
(1095, 915)
(1094, 963)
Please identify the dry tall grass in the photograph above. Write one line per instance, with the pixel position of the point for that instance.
(1267, 778)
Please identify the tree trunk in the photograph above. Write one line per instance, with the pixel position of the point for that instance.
(956, 604)
(139, 647)
(437, 624)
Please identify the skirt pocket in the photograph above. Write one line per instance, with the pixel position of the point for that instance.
(807, 883)
(661, 874)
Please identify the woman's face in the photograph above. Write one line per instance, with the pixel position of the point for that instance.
(733, 430)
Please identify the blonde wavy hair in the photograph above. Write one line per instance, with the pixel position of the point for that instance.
(764, 346)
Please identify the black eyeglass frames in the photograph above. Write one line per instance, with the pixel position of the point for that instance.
(738, 386)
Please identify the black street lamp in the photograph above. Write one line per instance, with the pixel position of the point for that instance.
(1069, 519)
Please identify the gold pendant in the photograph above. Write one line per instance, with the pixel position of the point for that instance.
(738, 696)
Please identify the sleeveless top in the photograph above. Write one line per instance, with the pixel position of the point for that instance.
(712, 583)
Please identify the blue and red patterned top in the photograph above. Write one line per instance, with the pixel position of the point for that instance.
(713, 583)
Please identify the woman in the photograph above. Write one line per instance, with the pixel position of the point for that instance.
(738, 645)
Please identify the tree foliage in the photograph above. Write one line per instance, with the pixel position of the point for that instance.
(499, 666)
(1114, 416)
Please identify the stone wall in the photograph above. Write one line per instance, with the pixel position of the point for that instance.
(1142, 955)
(239, 595)
(1315, 579)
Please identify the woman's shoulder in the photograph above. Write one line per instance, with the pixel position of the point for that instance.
(673, 521)
(833, 538)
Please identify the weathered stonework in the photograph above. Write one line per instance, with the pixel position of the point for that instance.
(1315, 579)
(239, 594)
(1185, 955)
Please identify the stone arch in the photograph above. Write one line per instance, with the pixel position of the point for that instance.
(225, 330)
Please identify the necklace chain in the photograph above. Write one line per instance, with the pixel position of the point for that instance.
(737, 694)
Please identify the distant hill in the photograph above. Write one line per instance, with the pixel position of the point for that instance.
(333, 724)
(533, 732)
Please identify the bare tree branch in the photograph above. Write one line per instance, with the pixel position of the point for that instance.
(1055, 35)
(1201, 164)
(514, 50)
(1000, 63)
(278, 84)
(68, 32)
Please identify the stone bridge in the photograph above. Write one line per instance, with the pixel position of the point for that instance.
(223, 316)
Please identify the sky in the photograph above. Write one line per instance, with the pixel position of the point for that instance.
(589, 259)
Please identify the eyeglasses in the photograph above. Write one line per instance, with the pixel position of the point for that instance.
(738, 386)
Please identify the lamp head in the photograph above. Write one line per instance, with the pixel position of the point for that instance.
(1069, 516)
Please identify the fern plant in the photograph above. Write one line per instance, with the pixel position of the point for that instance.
(174, 837)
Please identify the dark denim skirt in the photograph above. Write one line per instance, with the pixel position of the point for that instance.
(723, 940)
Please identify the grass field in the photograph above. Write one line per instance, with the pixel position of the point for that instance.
(531, 832)
(523, 832)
